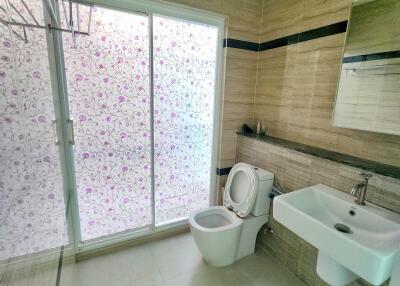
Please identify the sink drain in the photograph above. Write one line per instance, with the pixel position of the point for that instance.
(343, 228)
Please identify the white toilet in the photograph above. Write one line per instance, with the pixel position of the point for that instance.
(227, 233)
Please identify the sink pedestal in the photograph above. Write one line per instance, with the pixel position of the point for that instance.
(395, 279)
(333, 272)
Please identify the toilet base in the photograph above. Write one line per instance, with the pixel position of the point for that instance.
(250, 227)
(230, 240)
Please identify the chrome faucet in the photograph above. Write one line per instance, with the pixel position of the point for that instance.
(360, 190)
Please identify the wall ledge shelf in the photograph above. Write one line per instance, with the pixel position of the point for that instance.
(367, 165)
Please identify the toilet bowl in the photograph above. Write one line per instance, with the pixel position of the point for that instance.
(227, 233)
(216, 232)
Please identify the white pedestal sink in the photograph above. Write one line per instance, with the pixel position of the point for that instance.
(352, 241)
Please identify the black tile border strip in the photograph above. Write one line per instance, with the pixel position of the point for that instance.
(239, 44)
(325, 31)
(367, 165)
(281, 42)
(223, 171)
(371, 57)
(313, 34)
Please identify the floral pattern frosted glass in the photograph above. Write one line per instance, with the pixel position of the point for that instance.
(184, 93)
(32, 212)
(108, 90)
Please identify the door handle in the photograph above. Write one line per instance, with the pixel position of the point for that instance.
(71, 126)
(54, 125)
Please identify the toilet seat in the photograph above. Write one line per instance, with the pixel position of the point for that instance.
(240, 190)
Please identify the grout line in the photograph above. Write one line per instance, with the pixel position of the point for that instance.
(253, 118)
(59, 268)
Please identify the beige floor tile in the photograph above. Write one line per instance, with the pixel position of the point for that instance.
(134, 266)
(174, 261)
(29, 277)
(176, 255)
(37, 271)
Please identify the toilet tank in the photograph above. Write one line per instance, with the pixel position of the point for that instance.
(263, 201)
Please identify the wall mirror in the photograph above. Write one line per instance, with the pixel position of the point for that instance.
(368, 94)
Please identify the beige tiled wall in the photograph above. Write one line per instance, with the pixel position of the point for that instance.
(295, 94)
(296, 85)
(240, 81)
(287, 17)
(295, 170)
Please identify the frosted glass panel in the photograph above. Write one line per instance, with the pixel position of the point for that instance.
(108, 89)
(32, 212)
(184, 87)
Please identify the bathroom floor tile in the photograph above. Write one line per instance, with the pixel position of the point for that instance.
(133, 266)
(29, 276)
(176, 255)
(173, 261)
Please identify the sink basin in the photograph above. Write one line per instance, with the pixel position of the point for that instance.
(352, 240)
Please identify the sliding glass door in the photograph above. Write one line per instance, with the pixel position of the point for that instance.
(32, 209)
(143, 120)
(109, 101)
(141, 108)
(185, 56)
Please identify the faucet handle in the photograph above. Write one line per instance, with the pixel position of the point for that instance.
(366, 176)
(354, 191)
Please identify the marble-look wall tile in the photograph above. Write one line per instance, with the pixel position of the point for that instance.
(295, 170)
(318, 13)
(244, 18)
(288, 17)
(238, 103)
(280, 19)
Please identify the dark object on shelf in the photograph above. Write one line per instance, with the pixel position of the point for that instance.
(246, 129)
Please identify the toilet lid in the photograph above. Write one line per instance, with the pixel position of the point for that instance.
(240, 189)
